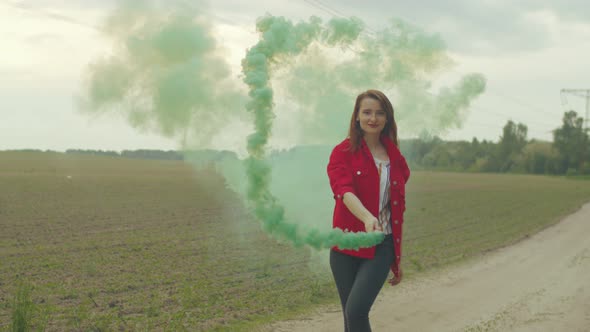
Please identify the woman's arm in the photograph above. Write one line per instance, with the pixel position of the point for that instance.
(341, 181)
(405, 169)
(356, 207)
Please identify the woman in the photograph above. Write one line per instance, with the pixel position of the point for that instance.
(368, 175)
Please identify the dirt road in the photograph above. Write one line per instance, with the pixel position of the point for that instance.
(539, 284)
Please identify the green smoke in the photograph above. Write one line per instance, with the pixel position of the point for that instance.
(281, 38)
(166, 73)
(398, 57)
(442, 111)
(401, 60)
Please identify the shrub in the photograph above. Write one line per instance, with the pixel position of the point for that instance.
(571, 172)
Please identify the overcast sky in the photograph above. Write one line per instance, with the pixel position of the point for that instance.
(527, 50)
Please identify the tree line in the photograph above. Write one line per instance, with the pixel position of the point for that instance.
(193, 156)
(569, 153)
(136, 154)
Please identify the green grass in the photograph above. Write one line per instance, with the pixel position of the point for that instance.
(128, 244)
(22, 309)
(579, 177)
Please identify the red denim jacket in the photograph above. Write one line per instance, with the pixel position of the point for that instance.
(357, 173)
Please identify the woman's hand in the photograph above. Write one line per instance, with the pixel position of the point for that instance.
(357, 208)
(396, 280)
(372, 225)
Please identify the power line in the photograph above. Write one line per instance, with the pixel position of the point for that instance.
(322, 7)
(333, 14)
(584, 93)
(487, 111)
(368, 30)
(517, 101)
(51, 15)
(317, 4)
(537, 109)
(509, 116)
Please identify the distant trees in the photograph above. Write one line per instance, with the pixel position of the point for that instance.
(203, 156)
(194, 156)
(512, 141)
(152, 154)
(94, 152)
(540, 158)
(31, 150)
(435, 153)
(505, 156)
(137, 154)
(571, 140)
(568, 153)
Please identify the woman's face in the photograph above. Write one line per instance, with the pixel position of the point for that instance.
(371, 116)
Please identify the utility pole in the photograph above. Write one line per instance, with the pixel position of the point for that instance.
(584, 93)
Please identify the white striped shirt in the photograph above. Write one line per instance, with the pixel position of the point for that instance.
(383, 168)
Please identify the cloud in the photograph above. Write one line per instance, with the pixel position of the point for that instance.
(474, 27)
(573, 11)
(49, 13)
(43, 38)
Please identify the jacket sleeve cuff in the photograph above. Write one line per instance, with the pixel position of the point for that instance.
(339, 195)
(395, 270)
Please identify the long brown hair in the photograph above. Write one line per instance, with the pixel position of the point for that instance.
(355, 132)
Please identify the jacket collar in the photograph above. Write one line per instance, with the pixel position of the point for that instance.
(392, 150)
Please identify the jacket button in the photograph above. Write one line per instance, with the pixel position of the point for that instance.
(395, 222)
(394, 202)
(338, 196)
(398, 240)
(358, 172)
(395, 183)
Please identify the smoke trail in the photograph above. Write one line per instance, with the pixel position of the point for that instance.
(442, 111)
(402, 60)
(166, 73)
(321, 87)
(281, 38)
(400, 57)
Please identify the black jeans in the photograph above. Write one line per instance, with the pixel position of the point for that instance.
(359, 280)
